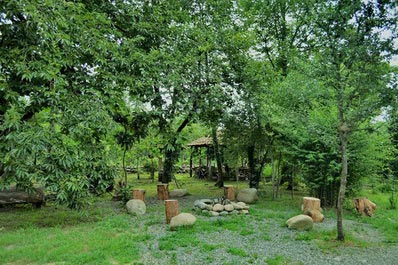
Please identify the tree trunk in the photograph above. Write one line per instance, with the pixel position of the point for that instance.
(160, 169)
(292, 181)
(273, 175)
(279, 174)
(152, 170)
(253, 180)
(170, 158)
(343, 182)
(124, 166)
(220, 177)
(138, 168)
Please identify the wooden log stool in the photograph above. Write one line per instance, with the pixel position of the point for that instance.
(171, 207)
(139, 194)
(163, 192)
(364, 206)
(312, 208)
(229, 192)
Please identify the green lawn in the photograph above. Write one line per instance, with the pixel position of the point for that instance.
(106, 234)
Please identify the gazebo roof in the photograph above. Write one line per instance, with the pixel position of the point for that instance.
(202, 141)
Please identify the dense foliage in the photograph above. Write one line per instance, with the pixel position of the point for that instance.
(87, 87)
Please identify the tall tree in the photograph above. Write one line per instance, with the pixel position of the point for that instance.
(281, 29)
(57, 85)
(353, 63)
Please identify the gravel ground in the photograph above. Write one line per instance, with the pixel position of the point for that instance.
(272, 240)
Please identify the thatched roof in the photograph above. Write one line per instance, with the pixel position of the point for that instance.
(202, 141)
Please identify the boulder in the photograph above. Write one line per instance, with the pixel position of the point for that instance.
(300, 222)
(207, 201)
(202, 206)
(183, 219)
(136, 207)
(247, 195)
(218, 208)
(178, 193)
(244, 211)
(237, 206)
(223, 213)
(229, 207)
(214, 213)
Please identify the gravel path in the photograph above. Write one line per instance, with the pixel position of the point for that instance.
(270, 241)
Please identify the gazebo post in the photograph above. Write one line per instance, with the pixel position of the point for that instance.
(190, 163)
(208, 163)
(200, 157)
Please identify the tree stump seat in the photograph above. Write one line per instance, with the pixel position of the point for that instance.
(171, 207)
(139, 194)
(312, 207)
(364, 206)
(163, 192)
(229, 192)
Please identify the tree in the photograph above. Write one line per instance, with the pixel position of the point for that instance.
(281, 31)
(58, 82)
(353, 66)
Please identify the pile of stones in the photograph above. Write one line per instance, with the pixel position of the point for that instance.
(220, 207)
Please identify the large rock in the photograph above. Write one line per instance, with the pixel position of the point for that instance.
(229, 207)
(136, 207)
(183, 219)
(178, 193)
(237, 206)
(247, 195)
(218, 208)
(300, 222)
(212, 213)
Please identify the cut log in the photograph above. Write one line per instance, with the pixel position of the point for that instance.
(18, 196)
(364, 206)
(163, 192)
(139, 194)
(312, 208)
(229, 192)
(171, 207)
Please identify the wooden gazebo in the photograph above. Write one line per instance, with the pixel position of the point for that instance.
(198, 144)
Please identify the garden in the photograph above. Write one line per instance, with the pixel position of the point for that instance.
(134, 132)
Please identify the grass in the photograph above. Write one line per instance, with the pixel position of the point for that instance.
(280, 260)
(106, 234)
(107, 241)
(237, 252)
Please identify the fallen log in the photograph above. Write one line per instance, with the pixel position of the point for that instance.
(14, 196)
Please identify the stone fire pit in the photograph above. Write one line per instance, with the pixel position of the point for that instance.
(220, 206)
